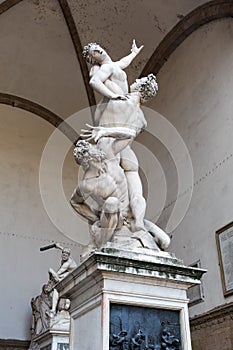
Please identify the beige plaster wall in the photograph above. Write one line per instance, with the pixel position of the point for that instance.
(38, 61)
(196, 96)
(114, 24)
(25, 226)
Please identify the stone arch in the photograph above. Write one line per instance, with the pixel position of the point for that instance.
(7, 4)
(40, 111)
(74, 35)
(203, 14)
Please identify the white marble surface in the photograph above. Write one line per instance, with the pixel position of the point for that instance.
(149, 280)
(111, 180)
(52, 339)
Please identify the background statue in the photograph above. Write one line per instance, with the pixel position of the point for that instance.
(67, 265)
(61, 321)
(48, 310)
(41, 308)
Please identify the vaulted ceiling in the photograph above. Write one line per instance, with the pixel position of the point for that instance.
(41, 64)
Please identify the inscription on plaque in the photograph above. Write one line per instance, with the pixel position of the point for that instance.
(141, 328)
(225, 251)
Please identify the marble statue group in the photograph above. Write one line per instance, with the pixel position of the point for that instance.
(110, 195)
(110, 198)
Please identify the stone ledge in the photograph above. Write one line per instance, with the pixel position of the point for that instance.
(161, 266)
(47, 334)
(13, 344)
(216, 315)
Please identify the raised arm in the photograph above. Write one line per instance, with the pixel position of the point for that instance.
(125, 61)
(97, 82)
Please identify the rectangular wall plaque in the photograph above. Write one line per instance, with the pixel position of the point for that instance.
(224, 238)
(138, 328)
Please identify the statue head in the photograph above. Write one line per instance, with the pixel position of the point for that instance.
(48, 287)
(64, 304)
(146, 86)
(94, 53)
(65, 254)
(84, 153)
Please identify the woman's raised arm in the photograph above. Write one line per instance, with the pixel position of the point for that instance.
(125, 61)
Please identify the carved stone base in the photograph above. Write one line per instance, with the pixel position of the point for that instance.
(125, 240)
(53, 340)
(132, 299)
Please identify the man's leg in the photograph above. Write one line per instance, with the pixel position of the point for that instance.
(137, 201)
(158, 234)
(109, 221)
(129, 163)
(55, 298)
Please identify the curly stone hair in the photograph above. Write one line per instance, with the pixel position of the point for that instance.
(84, 152)
(147, 86)
(88, 48)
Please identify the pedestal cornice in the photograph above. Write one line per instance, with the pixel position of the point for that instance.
(141, 262)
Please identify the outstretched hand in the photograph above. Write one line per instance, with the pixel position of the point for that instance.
(95, 133)
(136, 49)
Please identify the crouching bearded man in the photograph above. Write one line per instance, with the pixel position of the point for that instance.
(105, 187)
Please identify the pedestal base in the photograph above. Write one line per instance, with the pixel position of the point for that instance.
(129, 300)
(53, 340)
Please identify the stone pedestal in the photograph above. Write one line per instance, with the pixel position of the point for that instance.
(53, 340)
(129, 300)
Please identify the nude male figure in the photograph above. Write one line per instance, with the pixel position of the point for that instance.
(109, 79)
(105, 182)
(67, 265)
